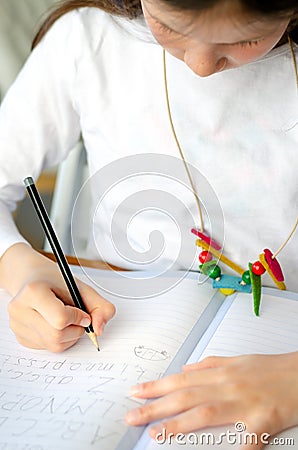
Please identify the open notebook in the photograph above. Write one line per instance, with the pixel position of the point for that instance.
(77, 400)
(234, 331)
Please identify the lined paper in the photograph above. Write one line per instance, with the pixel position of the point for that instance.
(241, 332)
(235, 331)
(77, 399)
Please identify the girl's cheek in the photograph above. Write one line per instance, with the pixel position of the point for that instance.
(172, 46)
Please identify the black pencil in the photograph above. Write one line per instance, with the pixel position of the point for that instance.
(58, 252)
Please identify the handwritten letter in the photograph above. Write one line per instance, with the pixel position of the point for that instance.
(77, 399)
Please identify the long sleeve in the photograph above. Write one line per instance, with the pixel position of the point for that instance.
(38, 121)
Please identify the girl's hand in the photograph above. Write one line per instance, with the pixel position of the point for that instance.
(259, 390)
(41, 312)
(42, 315)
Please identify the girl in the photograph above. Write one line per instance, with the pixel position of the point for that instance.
(228, 69)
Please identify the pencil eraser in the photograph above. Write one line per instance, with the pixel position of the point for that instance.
(28, 181)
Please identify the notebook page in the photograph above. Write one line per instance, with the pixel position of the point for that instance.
(77, 400)
(241, 332)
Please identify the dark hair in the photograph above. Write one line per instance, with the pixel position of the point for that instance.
(132, 9)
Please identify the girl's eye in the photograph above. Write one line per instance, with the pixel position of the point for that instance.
(248, 43)
(165, 29)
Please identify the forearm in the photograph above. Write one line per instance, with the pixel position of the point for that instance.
(20, 264)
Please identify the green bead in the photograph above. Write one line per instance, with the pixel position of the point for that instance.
(207, 266)
(246, 277)
(214, 272)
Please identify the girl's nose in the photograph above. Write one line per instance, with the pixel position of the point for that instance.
(204, 62)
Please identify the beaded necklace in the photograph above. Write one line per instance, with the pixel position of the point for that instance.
(250, 279)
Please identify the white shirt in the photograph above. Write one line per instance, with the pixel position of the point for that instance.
(103, 77)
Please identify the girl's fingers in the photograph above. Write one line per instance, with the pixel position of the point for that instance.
(55, 305)
(35, 345)
(213, 415)
(101, 310)
(41, 319)
(171, 383)
(251, 389)
(249, 434)
(37, 333)
(173, 404)
(199, 408)
(198, 417)
(210, 362)
(40, 298)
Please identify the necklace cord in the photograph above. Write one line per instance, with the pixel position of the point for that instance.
(293, 59)
(178, 144)
(182, 155)
(287, 240)
(296, 75)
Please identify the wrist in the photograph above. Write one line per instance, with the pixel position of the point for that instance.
(21, 263)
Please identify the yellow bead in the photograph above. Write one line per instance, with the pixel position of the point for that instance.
(226, 291)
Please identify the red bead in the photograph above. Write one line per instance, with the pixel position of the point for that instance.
(258, 268)
(205, 256)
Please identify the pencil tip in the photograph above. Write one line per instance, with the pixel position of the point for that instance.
(93, 339)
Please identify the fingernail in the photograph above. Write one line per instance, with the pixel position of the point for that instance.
(85, 322)
(135, 390)
(132, 417)
(155, 431)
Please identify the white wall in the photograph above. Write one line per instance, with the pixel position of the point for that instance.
(19, 20)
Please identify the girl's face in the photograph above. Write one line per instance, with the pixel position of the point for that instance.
(214, 39)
